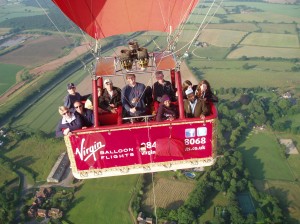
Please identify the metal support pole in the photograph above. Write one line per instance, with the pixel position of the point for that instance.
(95, 102)
(179, 91)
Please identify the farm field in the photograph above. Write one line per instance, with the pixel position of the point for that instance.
(230, 74)
(278, 28)
(45, 48)
(44, 115)
(103, 200)
(278, 40)
(246, 27)
(38, 155)
(8, 76)
(221, 38)
(6, 175)
(271, 52)
(261, 151)
(9, 11)
(168, 194)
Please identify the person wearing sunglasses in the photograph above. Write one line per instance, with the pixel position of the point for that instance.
(86, 115)
(68, 123)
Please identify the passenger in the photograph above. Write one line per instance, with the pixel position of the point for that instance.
(187, 84)
(72, 97)
(89, 102)
(68, 123)
(166, 110)
(86, 115)
(110, 99)
(133, 97)
(204, 92)
(162, 87)
(194, 107)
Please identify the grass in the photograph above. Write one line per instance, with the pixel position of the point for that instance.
(221, 38)
(210, 52)
(218, 200)
(278, 28)
(230, 74)
(44, 115)
(103, 200)
(261, 152)
(7, 175)
(8, 76)
(37, 155)
(9, 11)
(268, 52)
(278, 40)
(246, 27)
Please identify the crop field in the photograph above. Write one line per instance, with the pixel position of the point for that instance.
(44, 115)
(278, 28)
(210, 52)
(230, 74)
(204, 7)
(168, 194)
(197, 19)
(284, 9)
(246, 27)
(261, 151)
(103, 200)
(45, 48)
(8, 76)
(278, 40)
(221, 38)
(270, 52)
(263, 17)
(37, 155)
(9, 11)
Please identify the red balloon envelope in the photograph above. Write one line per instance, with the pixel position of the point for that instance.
(103, 18)
(169, 147)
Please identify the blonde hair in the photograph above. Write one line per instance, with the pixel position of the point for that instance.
(62, 109)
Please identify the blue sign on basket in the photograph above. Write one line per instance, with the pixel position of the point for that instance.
(190, 132)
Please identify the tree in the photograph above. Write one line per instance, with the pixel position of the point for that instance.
(185, 216)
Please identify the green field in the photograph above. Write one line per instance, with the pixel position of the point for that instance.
(6, 175)
(261, 152)
(9, 11)
(278, 40)
(44, 115)
(269, 52)
(8, 76)
(246, 27)
(278, 28)
(37, 155)
(229, 74)
(103, 200)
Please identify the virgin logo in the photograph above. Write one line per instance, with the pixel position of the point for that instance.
(86, 152)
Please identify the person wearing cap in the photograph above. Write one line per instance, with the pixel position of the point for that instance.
(195, 107)
(68, 123)
(110, 99)
(72, 97)
(166, 110)
(162, 87)
(86, 115)
(187, 84)
(133, 97)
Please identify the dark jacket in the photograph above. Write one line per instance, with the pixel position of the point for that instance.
(159, 90)
(87, 117)
(201, 108)
(75, 124)
(210, 97)
(70, 99)
(164, 112)
(106, 99)
(128, 93)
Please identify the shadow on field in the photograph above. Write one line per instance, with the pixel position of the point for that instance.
(285, 204)
(254, 164)
(175, 205)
